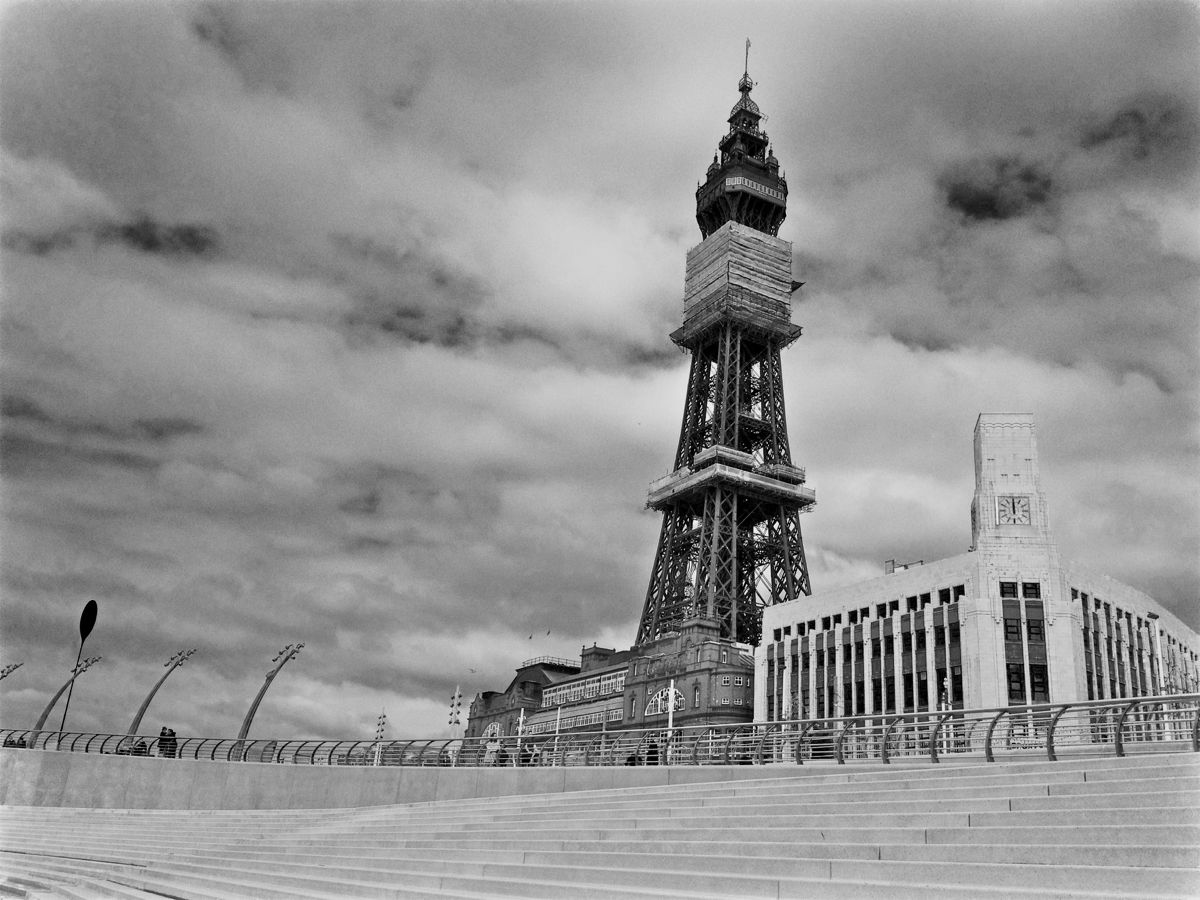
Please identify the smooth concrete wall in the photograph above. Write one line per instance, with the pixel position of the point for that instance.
(88, 780)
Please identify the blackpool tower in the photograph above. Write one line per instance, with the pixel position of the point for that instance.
(730, 543)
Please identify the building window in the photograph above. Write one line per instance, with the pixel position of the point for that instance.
(944, 597)
(1031, 590)
(724, 656)
(1008, 589)
(960, 590)
(737, 680)
(695, 696)
(660, 703)
(737, 701)
(1039, 684)
(1012, 630)
(1016, 683)
(725, 679)
(724, 701)
(1037, 631)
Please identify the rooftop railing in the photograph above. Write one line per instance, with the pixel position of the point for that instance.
(1047, 731)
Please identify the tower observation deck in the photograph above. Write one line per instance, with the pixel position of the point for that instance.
(730, 542)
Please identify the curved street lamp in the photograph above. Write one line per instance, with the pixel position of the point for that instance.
(87, 621)
(80, 668)
(287, 653)
(172, 664)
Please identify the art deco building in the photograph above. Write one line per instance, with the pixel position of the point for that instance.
(1007, 623)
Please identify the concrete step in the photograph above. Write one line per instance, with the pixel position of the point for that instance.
(1172, 835)
(1095, 828)
(642, 885)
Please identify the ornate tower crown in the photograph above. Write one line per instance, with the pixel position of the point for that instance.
(743, 184)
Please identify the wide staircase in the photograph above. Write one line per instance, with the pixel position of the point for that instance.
(1083, 828)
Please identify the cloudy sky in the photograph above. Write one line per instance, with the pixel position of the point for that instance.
(347, 323)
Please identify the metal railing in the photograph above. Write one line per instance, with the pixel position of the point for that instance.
(1046, 731)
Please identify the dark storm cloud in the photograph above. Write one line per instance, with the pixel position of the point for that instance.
(148, 236)
(1150, 126)
(25, 455)
(13, 406)
(142, 234)
(996, 188)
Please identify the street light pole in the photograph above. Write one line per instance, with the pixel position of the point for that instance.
(287, 653)
(172, 664)
(87, 621)
(80, 668)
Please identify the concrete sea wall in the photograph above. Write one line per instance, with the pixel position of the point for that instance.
(52, 778)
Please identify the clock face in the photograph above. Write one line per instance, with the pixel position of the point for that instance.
(1012, 510)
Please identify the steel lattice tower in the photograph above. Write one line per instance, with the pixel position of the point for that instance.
(730, 543)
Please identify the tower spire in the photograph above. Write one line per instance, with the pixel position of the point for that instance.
(744, 184)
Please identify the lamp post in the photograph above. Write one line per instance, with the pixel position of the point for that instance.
(80, 668)
(172, 664)
(455, 711)
(380, 727)
(87, 621)
(282, 657)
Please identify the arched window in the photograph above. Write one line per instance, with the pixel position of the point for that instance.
(493, 730)
(696, 696)
(658, 703)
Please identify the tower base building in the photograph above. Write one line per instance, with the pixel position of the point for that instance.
(1010, 622)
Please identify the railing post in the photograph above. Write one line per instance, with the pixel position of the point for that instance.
(933, 754)
(1050, 732)
(987, 741)
(758, 754)
(887, 734)
(800, 743)
(1118, 740)
(838, 744)
(729, 744)
(1196, 731)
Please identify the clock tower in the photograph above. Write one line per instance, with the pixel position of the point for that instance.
(1009, 507)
